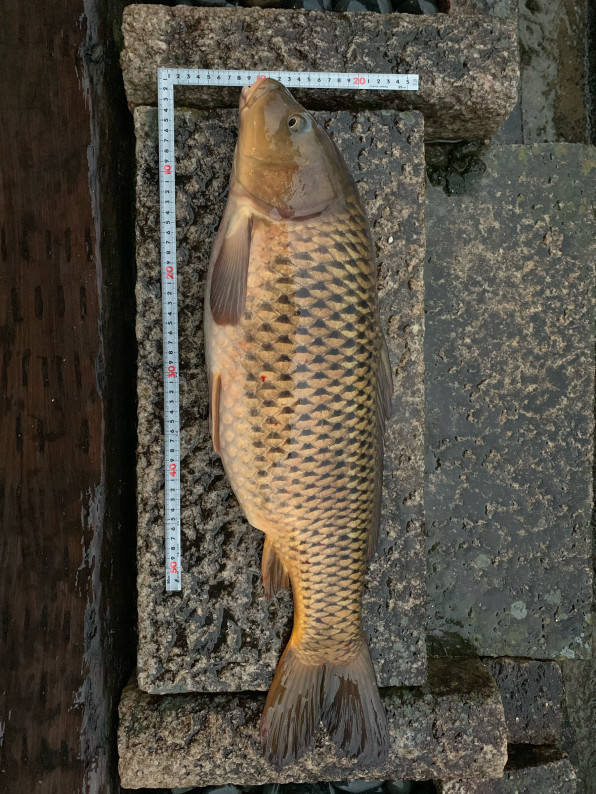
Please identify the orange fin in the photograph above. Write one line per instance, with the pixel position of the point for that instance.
(345, 697)
(292, 709)
(373, 533)
(275, 574)
(352, 711)
(231, 254)
(214, 395)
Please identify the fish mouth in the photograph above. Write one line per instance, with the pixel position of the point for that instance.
(250, 93)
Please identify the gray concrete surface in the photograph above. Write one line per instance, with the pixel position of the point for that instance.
(529, 770)
(468, 64)
(452, 727)
(510, 414)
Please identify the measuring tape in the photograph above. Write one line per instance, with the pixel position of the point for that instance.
(166, 80)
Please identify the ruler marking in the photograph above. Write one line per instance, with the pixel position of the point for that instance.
(167, 78)
(169, 306)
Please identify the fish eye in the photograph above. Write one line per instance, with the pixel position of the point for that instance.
(298, 123)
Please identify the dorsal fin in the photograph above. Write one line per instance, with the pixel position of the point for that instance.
(385, 385)
(384, 407)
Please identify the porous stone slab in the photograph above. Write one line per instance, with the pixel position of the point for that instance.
(468, 64)
(501, 9)
(553, 79)
(219, 633)
(510, 419)
(580, 707)
(532, 693)
(452, 727)
(529, 770)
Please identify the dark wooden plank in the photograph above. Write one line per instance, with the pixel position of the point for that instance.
(63, 239)
(591, 69)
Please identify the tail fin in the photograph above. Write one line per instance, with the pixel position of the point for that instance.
(345, 697)
(292, 710)
(352, 711)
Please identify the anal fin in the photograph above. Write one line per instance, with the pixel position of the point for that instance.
(275, 574)
(385, 385)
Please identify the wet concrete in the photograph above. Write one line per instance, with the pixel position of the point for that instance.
(509, 356)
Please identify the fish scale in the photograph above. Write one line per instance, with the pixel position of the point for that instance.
(309, 369)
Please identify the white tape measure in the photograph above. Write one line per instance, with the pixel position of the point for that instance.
(166, 80)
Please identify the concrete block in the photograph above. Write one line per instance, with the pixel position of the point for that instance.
(553, 80)
(452, 727)
(529, 770)
(580, 705)
(219, 633)
(510, 413)
(468, 63)
(532, 693)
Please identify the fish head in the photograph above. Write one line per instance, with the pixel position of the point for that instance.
(283, 158)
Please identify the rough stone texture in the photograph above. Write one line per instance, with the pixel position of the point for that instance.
(219, 634)
(467, 64)
(532, 692)
(580, 698)
(452, 727)
(511, 131)
(509, 353)
(529, 770)
(552, 40)
(590, 66)
(501, 9)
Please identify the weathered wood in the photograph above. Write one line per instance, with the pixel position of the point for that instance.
(60, 666)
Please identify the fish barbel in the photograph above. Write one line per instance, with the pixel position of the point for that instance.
(300, 388)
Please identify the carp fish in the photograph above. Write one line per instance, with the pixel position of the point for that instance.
(300, 388)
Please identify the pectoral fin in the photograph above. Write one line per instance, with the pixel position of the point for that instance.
(275, 575)
(231, 254)
(214, 395)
